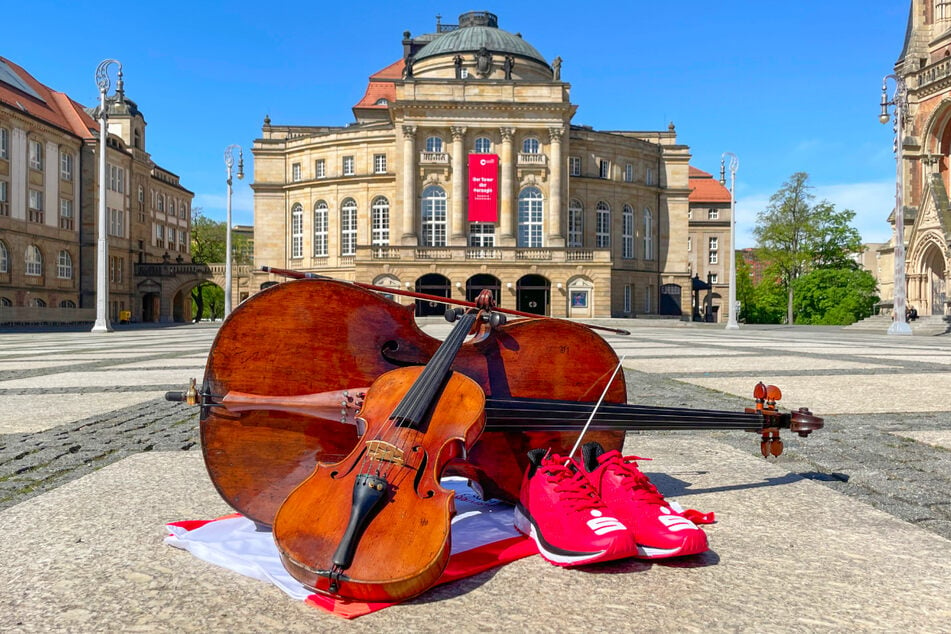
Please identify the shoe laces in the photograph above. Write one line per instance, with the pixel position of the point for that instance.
(571, 485)
(633, 479)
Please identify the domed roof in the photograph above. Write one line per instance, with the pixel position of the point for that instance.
(478, 29)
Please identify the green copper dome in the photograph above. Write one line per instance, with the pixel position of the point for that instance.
(477, 30)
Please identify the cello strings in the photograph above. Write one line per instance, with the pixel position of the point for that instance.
(595, 410)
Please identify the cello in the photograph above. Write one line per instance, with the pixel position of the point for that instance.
(375, 526)
(284, 375)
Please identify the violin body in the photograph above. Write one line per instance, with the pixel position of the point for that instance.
(311, 336)
(405, 544)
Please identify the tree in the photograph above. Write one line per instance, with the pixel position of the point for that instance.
(796, 236)
(209, 245)
(835, 296)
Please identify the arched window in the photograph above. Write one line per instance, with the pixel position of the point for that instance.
(67, 303)
(297, 231)
(530, 145)
(34, 261)
(4, 258)
(602, 230)
(5, 301)
(321, 219)
(575, 223)
(380, 222)
(627, 233)
(64, 265)
(39, 303)
(648, 234)
(434, 216)
(433, 144)
(531, 207)
(348, 227)
(483, 145)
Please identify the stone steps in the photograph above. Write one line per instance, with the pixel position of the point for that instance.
(929, 325)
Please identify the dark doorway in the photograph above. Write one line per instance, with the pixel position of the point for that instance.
(432, 284)
(533, 292)
(477, 283)
(670, 299)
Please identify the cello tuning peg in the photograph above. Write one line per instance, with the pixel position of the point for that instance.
(773, 393)
(759, 392)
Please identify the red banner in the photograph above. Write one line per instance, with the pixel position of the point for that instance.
(483, 187)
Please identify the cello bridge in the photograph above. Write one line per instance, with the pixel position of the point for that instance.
(385, 452)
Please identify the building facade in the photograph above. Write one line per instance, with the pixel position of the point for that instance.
(579, 222)
(49, 205)
(709, 247)
(924, 66)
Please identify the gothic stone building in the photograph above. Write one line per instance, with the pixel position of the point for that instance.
(925, 67)
(565, 220)
(49, 201)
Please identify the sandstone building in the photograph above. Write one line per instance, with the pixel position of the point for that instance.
(924, 66)
(49, 192)
(463, 170)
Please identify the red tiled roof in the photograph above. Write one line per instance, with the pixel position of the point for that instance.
(380, 88)
(58, 110)
(705, 189)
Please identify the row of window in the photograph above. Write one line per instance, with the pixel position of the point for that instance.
(35, 156)
(165, 237)
(33, 262)
(713, 248)
(712, 214)
(434, 218)
(36, 302)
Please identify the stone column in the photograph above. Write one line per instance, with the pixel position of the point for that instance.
(556, 237)
(409, 186)
(506, 207)
(457, 227)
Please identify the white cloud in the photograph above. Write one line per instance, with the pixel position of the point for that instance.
(872, 203)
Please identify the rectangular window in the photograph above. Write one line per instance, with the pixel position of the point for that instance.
(379, 163)
(628, 295)
(713, 257)
(714, 278)
(321, 218)
(4, 198)
(36, 155)
(171, 237)
(348, 169)
(714, 244)
(295, 172)
(713, 214)
(604, 169)
(36, 206)
(117, 222)
(321, 168)
(627, 234)
(629, 173)
(297, 232)
(117, 179)
(602, 235)
(182, 240)
(574, 166)
(482, 234)
(649, 176)
(115, 269)
(160, 235)
(64, 266)
(66, 166)
(65, 213)
(4, 143)
(348, 230)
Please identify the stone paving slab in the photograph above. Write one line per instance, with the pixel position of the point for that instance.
(833, 394)
(30, 413)
(744, 363)
(934, 438)
(102, 378)
(788, 555)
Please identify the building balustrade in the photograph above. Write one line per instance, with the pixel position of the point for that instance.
(434, 158)
(370, 254)
(934, 72)
(532, 159)
(171, 269)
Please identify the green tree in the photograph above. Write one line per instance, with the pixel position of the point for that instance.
(769, 300)
(208, 246)
(795, 235)
(835, 296)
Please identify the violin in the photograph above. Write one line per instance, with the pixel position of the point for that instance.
(287, 372)
(376, 525)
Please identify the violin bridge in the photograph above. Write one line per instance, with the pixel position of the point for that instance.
(385, 452)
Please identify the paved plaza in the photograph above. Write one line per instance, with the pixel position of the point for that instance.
(849, 530)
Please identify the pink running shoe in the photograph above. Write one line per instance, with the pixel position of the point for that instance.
(563, 513)
(659, 530)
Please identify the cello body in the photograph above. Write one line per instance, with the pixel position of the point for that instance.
(311, 336)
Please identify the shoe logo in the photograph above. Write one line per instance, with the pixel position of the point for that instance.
(604, 525)
(676, 523)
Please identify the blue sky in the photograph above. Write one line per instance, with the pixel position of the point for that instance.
(786, 86)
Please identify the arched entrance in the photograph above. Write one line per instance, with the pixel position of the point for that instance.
(533, 294)
(477, 283)
(934, 290)
(432, 284)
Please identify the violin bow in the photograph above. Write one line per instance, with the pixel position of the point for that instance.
(300, 275)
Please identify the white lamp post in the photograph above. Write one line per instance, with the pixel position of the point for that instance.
(229, 163)
(102, 244)
(731, 323)
(899, 100)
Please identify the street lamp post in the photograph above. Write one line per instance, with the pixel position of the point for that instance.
(102, 244)
(899, 325)
(731, 323)
(229, 163)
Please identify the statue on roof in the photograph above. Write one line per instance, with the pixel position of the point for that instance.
(556, 69)
(508, 66)
(408, 67)
(457, 61)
